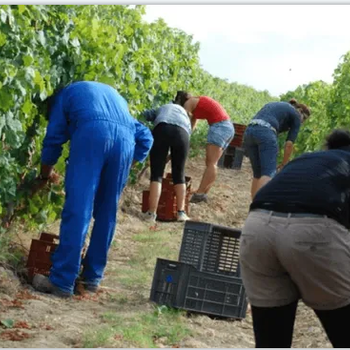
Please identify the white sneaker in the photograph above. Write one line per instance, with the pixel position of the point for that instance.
(182, 216)
(149, 217)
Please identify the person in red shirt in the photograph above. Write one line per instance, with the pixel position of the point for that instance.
(221, 132)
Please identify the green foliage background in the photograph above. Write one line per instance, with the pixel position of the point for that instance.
(44, 47)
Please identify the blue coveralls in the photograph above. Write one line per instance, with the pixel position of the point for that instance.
(105, 139)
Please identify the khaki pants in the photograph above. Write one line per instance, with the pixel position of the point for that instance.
(287, 258)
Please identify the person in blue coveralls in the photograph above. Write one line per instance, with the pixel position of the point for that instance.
(104, 141)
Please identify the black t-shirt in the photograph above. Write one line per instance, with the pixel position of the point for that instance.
(317, 183)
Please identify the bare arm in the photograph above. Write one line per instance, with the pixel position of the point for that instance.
(194, 122)
(288, 150)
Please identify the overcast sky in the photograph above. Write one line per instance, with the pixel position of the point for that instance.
(272, 47)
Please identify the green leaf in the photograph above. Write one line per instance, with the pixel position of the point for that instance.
(164, 85)
(29, 73)
(21, 88)
(5, 100)
(32, 208)
(107, 80)
(2, 39)
(14, 124)
(27, 60)
(21, 8)
(27, 107)
(75, 42)
(3, 16)
(128, 31)
(8, 323)
(41, 38)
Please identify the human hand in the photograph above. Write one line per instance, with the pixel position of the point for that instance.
(55, 178)
(39, 183)
(280, 167)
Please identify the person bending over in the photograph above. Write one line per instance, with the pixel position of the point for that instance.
(295, 245)
(172, 129)
(104, 140)
(260, 138)
(221, 132)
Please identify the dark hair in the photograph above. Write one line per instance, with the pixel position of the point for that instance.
(51, 100)
(302, 107)
(337, 139)
(181, 97)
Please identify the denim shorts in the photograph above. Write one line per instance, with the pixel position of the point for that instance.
(220, 134)
(260, 144)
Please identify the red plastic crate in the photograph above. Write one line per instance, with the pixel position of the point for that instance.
(39, 259)
(237, 141)
(167, 207)
(239, 128)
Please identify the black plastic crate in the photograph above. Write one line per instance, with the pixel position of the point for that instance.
(169, 282)
(211, 248)
(193, 244)
(232, 158)
(181, 286)
(215, 295)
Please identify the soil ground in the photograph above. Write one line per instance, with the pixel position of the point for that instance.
(48, 322)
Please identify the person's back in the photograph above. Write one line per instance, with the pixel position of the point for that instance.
(90, 110)
(88, 100)
(281, 115)
(210, 109)
(171, 114)
(316, 183)
(260, 138)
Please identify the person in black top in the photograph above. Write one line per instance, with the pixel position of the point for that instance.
(295, 245)
(260, 138)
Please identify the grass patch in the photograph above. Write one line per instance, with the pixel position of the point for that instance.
(97, 338)
(138, 272)
(12, 253)
(133, 325)
(143, 330)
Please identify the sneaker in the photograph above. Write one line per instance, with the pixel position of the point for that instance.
(150, 217)
(199, 197)
(182, 216)
(43, 284)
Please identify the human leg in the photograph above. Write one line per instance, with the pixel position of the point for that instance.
(273, 326)
(158, 157)
(251, 150)
(179, 151)
(270, 290)
(112, 182)
(335, 325)
(268, 151)
(219, 136)
(86, 160)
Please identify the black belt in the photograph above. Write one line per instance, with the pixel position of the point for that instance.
(291, 215)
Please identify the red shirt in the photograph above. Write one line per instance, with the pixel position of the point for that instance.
(211, 110)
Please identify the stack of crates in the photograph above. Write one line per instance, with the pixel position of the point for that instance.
(207, 278)
(167, 207)
(232, 158)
